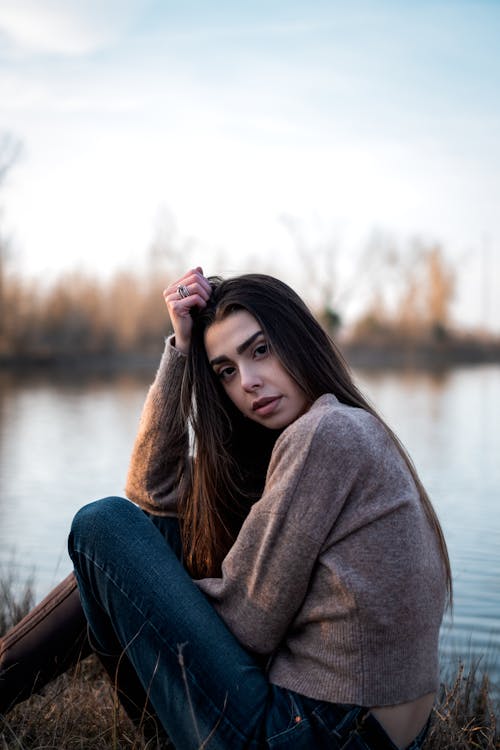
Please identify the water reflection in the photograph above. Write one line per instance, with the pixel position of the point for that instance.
(450, 426)
(64, 442)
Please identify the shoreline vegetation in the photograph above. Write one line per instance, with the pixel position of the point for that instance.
(122, 326)
(84, 322)
(80, 708)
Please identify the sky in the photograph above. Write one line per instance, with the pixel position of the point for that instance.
(237, 127)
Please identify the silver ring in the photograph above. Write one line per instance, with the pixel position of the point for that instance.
(183, 291)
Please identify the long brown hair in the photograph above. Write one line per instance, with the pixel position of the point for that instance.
(231, 453)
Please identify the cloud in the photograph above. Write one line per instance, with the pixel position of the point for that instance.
(31, 27)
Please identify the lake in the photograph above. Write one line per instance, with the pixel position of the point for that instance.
(66, 440)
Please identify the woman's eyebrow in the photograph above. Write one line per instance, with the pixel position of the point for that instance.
(239, 349)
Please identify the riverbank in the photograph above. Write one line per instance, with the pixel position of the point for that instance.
(397, 351)
(374, 352)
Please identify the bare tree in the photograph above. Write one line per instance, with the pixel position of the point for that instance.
(318, 264)
(440, 286)
(411, 290)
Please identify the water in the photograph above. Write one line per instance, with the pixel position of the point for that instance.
(62, 443)
(65, 441)
(450, 423)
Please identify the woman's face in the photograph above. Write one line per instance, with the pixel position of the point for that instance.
(252, 376)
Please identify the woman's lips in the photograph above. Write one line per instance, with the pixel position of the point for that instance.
(265, 405)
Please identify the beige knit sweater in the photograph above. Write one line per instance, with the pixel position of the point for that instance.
(336, 573)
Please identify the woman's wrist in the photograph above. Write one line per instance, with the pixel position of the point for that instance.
(174, 343)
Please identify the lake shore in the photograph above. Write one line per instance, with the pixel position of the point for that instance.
(376, 352)
(428, 353)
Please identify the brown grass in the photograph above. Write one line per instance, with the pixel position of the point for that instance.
(77, 710)
(466, 715)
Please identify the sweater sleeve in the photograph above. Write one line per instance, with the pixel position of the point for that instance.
(266, 574)
(160, 451)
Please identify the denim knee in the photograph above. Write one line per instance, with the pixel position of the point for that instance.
(93, 519)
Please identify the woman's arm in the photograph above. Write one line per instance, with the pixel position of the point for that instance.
(160, 451)
(160, 457)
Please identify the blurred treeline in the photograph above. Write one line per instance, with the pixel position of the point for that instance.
(413, 325)
(406, 317)
(80, 315)
(394, 306)
(402, 295)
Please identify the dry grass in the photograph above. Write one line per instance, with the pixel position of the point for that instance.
(14, 603)
(466, 715)
(79, 710)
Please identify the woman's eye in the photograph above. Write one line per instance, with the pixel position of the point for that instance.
(261, 349)
(225, 373)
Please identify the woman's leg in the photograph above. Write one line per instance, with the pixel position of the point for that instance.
(206, 689)
(44, 644)
(140, 601)
(51, 639)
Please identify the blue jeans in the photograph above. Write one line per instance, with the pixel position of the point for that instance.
(206, 689)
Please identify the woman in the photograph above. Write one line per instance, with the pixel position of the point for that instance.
(302, 606)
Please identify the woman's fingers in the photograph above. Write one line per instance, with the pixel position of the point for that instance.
(191, 284)
(191, 290)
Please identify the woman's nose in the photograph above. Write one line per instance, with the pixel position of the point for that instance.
(250, 378)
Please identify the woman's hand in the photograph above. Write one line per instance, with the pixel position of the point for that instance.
(195, 291)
